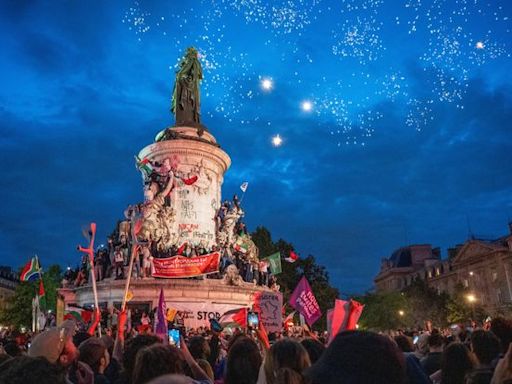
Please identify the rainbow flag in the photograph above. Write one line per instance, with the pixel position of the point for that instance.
(30, 271)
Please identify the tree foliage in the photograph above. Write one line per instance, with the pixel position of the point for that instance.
(18, 311)
(316, 274)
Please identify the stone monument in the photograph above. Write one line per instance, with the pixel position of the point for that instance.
(182, 174)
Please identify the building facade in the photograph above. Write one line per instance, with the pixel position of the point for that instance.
(483, 267)
(8, 282)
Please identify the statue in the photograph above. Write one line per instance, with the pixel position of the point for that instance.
(186, 98)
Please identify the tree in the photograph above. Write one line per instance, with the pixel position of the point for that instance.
(18, 311)
(384, 311)
(316, 274)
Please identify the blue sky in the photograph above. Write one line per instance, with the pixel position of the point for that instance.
(408, 140)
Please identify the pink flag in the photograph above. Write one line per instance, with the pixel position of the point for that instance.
(345, 316)
(304, 301)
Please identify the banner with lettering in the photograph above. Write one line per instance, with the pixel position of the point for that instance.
(196, 314)
(304, 301)
(179, 266)
(268, 305)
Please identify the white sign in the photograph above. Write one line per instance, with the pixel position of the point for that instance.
(196, 314)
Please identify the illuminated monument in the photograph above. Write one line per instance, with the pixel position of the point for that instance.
(182, 212)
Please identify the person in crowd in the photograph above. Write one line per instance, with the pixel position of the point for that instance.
(502, 328)
(200, 350)
(486, 348)
(314, 348)
(284, 363)
(133, 346)
(94, 353)
(26, 370)
(243, 361)
(157, 360)
(432, 362)
(118, 260)
(456, 363)
(359, 357)
(98, 265)
(404, 343)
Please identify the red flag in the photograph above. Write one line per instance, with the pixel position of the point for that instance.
(345, 316)
(293, 257)
(41, 288)
(356, 309)
(181, 249)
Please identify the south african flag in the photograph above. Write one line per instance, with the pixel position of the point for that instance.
(30, 271)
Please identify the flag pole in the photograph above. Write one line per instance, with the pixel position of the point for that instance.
(90, 252)
(135, 247)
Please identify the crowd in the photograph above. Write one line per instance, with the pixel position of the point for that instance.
(112, 262)
(62, 354)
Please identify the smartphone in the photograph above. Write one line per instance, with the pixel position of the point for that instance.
(215, 325)
(253, 320)
(174, 337)
(415, 339)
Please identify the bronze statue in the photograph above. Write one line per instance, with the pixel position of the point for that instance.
(186, 98)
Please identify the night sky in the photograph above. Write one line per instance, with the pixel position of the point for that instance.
(395, 115)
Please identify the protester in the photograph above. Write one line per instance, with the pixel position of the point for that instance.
(404, 343)
(359, 357)
(29, 370)
(314, 348)
(502, 328)
(456, 362)
(200, 351)
(243, 361)
(432, 362)
(486, 348)
(133, 346)
(284, 363)
(94, 353)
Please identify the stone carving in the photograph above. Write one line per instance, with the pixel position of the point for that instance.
(232, 276)
(227, 218)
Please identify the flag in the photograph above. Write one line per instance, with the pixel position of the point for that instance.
(235, 318)
(288, 321)
(293, 257)
(304, 301)
(30, 271)
(274, 261)
(41, 288)
(344, 316)
(78, 314)
(244, 186)
(160, 319)
(181, 249)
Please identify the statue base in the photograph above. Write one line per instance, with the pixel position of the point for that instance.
(195, 300)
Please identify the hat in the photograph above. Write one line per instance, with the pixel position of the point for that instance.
(50, 343)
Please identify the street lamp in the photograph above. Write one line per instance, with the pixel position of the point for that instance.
(401, 313)
(471, 300)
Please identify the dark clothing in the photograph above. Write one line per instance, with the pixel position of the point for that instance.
(481, 375)
(432, 362)
(415, 373)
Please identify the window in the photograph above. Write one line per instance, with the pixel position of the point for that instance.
(465, 282)
(494, 274)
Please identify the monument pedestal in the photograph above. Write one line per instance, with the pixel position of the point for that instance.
(194, 205)
(197, 300)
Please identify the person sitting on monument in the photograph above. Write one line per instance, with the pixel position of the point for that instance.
(119, 263)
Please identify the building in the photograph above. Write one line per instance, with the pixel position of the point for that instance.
(8, 282)
(482, 266)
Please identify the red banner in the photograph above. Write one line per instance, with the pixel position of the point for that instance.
(180, 266)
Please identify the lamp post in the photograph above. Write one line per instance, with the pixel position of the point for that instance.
(471, 298)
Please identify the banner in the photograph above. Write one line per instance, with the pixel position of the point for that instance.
(268, 305)
(179, 266)
(197, 314)
(304, 301)
(274, 261)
